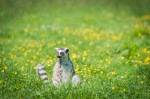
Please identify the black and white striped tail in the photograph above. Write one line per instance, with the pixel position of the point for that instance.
(42, 73)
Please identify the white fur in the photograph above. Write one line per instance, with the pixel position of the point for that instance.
(43, 76)
(76, 80)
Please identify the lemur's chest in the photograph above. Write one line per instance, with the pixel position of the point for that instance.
(66, 66)
(66, 70)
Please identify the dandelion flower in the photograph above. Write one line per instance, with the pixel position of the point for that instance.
(15, 73)
(5, 67)
(2, 71)
(101, 72)
(142, 82)
(25, 74)
(144, 50)
(113, 88)
(113, 73)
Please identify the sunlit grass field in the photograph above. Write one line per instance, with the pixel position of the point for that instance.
(109, 44)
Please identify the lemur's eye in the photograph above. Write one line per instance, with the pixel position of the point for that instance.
(61, 53)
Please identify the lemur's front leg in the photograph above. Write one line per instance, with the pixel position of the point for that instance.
(56, 74)
(76, 79)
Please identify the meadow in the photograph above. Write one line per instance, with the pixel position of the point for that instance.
(109, 42)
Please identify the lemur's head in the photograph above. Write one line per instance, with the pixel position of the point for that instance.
(62, 52)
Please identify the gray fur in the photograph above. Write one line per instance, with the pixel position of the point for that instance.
(63, 70)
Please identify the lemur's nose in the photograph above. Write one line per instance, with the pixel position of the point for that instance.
(58, 56)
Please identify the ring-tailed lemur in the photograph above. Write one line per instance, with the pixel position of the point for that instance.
(63, 70)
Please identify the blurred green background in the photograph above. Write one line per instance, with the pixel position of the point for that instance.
(109, 43)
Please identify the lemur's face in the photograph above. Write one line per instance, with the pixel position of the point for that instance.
(62, 52)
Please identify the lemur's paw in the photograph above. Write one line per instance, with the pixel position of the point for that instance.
(76, 80)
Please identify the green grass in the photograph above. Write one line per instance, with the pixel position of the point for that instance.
(109, 45)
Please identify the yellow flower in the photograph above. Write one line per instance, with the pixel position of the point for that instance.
(122, 77)
(16, 64)
(5, 67)
(37, 53)
(25, 74)
(25, 53)
(113, 88)
(138, 55)
(31, 61)
(145, 17)
(142, 82)
(74, 55)
(139, 34)
(89, 70)
(26, 29)
(22, 68)
(144, 50)
(79, 42)
(83, 58)
(113, 73)
(35, 57)
(107, 52)
(2, 71)
(15, 73)
(39, 48)
(101, 72)
(91, 67)
(34, 68)
(90, 43)
(85, 53)
(48, 56)
(124, 90)
(42, 61)
(107, 45)
(105, 66)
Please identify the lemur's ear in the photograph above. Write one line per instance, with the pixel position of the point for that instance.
(67, 50)
(57, 49)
